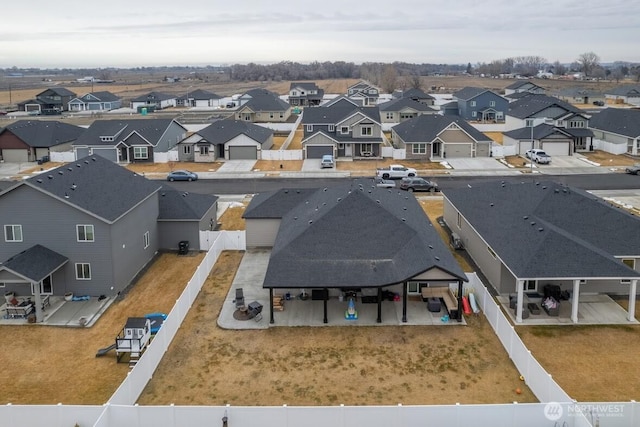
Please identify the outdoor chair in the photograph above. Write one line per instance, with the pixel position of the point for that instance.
(239, 298)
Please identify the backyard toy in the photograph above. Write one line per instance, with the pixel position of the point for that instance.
(351, 313)
(518, 391)
(472, 302)
(157, 319)
(465, 305)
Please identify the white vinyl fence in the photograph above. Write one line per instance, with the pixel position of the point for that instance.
(609, 147)
(282, 155)
(62, 156)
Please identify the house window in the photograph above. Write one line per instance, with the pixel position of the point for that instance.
(83, 271)
(493, 254)
(459, 221)
(492, 103)
(294, 93)
(389, 115)
(472, 104)
(145, 239)
(366, 131)
(344, 130)
(366, 150)
(583, 281)
(413, 288)
(309, 128)
(530, 285)
(528, 123)
(332, 128)
(499, 115)
(13, 233)
(474, 114)
(419, 148)
(341, 146)
(576, 124)
(140, 153)
(84, 233)
(204, 150)
(282, 115)
(186, 149)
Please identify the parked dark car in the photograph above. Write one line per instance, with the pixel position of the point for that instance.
(633, 170)
(182, 175)
(598, 103)
(418, 184)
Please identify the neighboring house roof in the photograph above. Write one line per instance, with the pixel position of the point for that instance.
(44, 133)
(532, 104)
(303, 85)
(544, 130)
(579, 92)
(520, 83)
(342, 99)
(404, 103)
(223, 131)
(338, 112)
(427, 127)
(264, 100)
(100, 131)
(95, 185)
(276, 204)
(103, 96)
(546, 230)
(469, 92)
(35, 263)
(200, 94)
(61, 91)
(356, 236)
(518, 95)
(626, 90)
(617, 120)
(158, 96)
(413, 93)
(181, 205)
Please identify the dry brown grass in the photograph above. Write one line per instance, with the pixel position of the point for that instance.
(278, 166)
(143, 168)
(496, 136)
(232, 219)
(296, 141)
(277, 142)
(608, 159)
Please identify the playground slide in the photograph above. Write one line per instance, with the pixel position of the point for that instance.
(465, 305)
(474, 305)
(105, 350)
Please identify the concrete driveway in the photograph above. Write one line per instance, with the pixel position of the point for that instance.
(231, 166)
(476, 163)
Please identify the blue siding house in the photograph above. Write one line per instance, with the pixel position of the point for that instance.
(481, 105)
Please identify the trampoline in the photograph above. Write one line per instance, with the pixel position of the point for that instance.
(157, 319)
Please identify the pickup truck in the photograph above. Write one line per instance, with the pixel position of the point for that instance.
(395, 172)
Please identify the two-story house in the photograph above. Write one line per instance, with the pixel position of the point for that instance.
(342, 130)
(51, 101)
(262, 106)
(481, 105)
(33, 140)
(364, 93)
(130, 141)
(95, 101)
(305, 94)
(153, 101)
(415, 94)
(403, 109)
(226, 140)
(534, 110)
(520, 86)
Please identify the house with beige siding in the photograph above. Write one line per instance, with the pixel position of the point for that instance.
(262, 106)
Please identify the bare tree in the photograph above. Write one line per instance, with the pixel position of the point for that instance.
(618, 74)
(559, 69)
(415, 82)
(588, 62)
(389, 79)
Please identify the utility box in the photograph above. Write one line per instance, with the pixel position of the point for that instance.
(456, 241)
(183, 247)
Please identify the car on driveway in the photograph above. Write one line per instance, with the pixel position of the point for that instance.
(384, 183)
(633, 170)
(182, 175)
(538, 156)
(327, 161)
(418, 184)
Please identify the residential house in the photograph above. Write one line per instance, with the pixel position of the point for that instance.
(627, 94)
(32, 140)
(553, 140)
(226, 140)
(199, 98)
(435, 137)
(524, 86)
(262, 106)
(305, 94)
(534, 110)
(153, 101)
(580, 95)
(524, 236)
(481, 105)
(364, 93)
(342, 130)
(402, 109)
(415, 94)
(51, 101)
(617, 130)
(95, 101)
(129, 141)
(350, 238)
(107, 228)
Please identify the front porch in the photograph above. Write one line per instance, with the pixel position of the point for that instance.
(57, 311)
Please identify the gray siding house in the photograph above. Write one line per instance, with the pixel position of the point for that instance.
(32, 140)
(402, 109)
(481, 105)
(130, 141)
(261, 105)
(95, 102)
(364, 93)
(620, 128)
(520, 86)
(525, 236)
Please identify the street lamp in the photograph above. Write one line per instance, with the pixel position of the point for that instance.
(186, 101)
(531, 155)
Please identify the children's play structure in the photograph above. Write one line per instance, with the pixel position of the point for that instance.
(132, 340)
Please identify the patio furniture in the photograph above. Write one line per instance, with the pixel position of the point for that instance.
(239, 298)
(434, 305)
(551, 306)
(533, 308)
(22, 310)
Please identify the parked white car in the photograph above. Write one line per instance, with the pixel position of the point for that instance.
(538, 156)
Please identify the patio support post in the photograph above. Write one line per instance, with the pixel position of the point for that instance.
(632, 300)
(271, 306)
(325, 297)
(519, 301)
(575, 297)
(379, 319)
(404, 302)
(38, 300)
(460, 290)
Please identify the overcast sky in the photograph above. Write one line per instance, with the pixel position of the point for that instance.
(116, 33)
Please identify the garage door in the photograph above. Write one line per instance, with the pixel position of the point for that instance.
(243, 153)
(556, 148)
(458, 150)
(317, 151)
(15, 156)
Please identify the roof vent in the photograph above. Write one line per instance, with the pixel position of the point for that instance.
(430, 247)
(93, 158)
(491, 204)
(163, 194)
(310, 221)
(50, 176)
(437, 258)
(556, 191)
(540, 229)
(339, 198)
(533, 223)
(286, 191)
(378, 201)
(324, 189)
(404, 208)
(73, 186)
(298, 191)
(66, 196)
(86, 162)
(70, 169)
(295, 217)
(39, 181)
(525, 217)
(404, 220)
(77, 165)
(544, 187)
(60, 173)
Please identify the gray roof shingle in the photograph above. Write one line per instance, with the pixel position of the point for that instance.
(44, 133)
(617, 120)
(403, 103)
(223, 131)
(532, 104)
(35, 263)
(337, 112)
(427, 127)
(182, 205)
(149, 129)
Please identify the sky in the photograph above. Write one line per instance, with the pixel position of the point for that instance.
(116, 33)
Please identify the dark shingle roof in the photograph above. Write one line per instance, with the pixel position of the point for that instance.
(149, 129)
(35, 263)
(264, 100)
(519, 83)
(427, 127)
(550, 231)
(223, 131)
(352, 236)
(413, 93)
(61, 91)
(200, 94)
(469, 92)
(158, 96)
(337, 112)
(103, 96)
(44, 133)
(181, 205)
(402, 103)
(625, 90)
(544, 130)
(617, 120)
(303, 85)
(532, 104)
(276, 204)
(96, 185)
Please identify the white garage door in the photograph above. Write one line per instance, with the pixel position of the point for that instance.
(243, 153)
(556, 148)
(15, 155)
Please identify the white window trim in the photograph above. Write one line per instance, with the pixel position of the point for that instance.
(474, 114)
(344, 130)
(85, 227)
(13, 228)
(368, 128)
(83, 264)
(309, 128)
(472, 103)
(419, 148)
(137, 154)
(492, 103)
(145, 238)
(332, 128)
